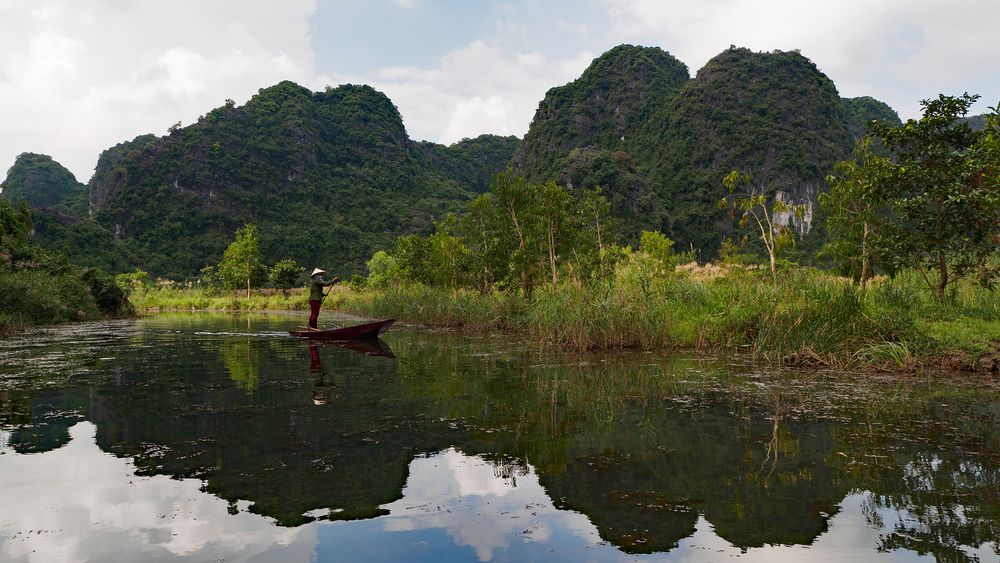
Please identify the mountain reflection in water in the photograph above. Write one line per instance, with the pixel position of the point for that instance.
(455, 448)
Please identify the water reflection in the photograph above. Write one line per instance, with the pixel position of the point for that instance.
(92, 507)
(322, 387)
(242, 359)
(500, 451)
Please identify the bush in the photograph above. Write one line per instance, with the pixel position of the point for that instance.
(38, 297)
(383, 270)
(110, 297)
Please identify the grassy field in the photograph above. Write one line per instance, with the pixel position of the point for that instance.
(811, 318)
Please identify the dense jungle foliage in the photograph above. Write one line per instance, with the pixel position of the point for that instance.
(330, 177)
(37, 287)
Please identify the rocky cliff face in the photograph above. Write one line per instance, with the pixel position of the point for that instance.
(109, 175)
(603, 108)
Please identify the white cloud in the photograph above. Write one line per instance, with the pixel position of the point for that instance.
(479, 88)
(899, 51)
(92, 502)
(78, 77)
(464, 496)
(407, 4)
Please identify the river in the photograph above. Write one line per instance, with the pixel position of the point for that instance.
(217, 437)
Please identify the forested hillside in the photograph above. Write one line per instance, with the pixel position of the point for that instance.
(670, 140)
(327, 176)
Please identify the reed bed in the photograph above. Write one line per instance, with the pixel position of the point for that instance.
(810, 319)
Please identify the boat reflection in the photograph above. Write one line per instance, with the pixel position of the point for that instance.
(324, 388)
(370, 347)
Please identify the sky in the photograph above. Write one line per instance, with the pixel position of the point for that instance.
(79, 76)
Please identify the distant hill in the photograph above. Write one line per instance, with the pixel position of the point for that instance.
(41, 182)
(603, 108)
(329, 177)
(772, 114)
(860, 111)
(976, 122)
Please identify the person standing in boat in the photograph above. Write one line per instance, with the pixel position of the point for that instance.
(316, 295)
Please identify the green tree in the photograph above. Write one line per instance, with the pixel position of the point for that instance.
(754, 205)
(595, 218)
(383, 270)
(209, 278)
(855, 207)
(283, 274)
(413, 257)
(944, 194)
(660, 249)
(241, 264)
(489, 242)
(137, 279)
(554, 211)
(449, 259)
(518, 201)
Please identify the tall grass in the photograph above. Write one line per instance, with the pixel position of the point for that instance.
(810, 318)
(438, 306)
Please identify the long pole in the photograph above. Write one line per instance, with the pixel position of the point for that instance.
(335, 280)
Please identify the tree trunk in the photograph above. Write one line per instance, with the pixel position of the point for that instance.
(600, 245)
(552, 253)
(942, 277)
(770, 255)
(520, 237)
(864, 258)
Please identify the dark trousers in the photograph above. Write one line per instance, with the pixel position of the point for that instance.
(314, 312)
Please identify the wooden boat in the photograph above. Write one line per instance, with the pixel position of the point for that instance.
(357, 332)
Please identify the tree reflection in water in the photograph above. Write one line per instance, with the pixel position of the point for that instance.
(644, 448)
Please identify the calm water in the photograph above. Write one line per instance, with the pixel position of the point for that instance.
(211, 437)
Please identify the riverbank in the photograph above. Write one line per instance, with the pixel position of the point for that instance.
(809, 319)
(44, 297)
